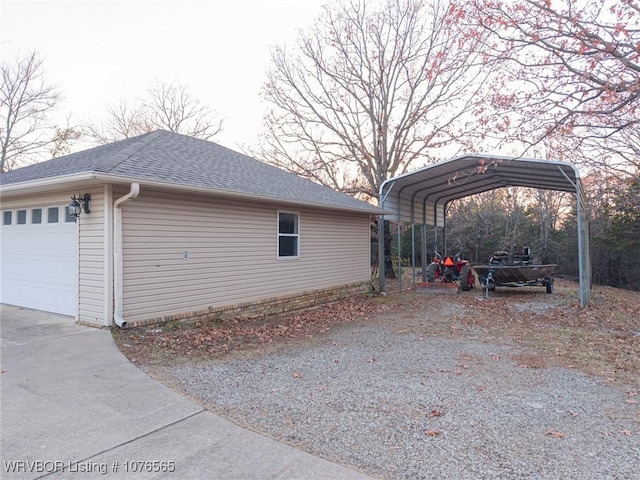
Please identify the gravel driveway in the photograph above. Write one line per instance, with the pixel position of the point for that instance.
(393, 400)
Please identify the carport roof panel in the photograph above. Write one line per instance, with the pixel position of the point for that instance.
(467, 175)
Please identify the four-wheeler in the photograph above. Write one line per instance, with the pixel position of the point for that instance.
(449, 270)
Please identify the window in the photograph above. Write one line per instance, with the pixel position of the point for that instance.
(52, 214)
(36, 215)
(6, 217)
(67, 216)
(288, 235)
(21, 217)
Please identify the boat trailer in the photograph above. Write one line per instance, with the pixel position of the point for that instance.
(518, 271)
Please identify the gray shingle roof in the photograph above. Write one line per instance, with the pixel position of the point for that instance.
(181, 160)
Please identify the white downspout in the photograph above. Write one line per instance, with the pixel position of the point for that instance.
(117, 253)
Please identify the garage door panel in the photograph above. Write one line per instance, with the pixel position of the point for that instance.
(39, 267)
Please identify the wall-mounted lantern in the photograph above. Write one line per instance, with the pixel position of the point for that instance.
(79, 204)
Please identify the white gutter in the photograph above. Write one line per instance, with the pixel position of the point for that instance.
(117, 253)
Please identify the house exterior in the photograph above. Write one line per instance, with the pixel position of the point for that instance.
(177, 228)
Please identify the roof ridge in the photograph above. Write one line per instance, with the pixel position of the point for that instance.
(129, 150)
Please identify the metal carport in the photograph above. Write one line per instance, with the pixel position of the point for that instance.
(421, 197)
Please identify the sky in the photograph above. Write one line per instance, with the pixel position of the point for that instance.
(99, 53)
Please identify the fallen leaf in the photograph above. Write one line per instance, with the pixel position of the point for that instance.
(296, 375)
(432, 433)
(554, 434)
(435, 413)
(626, 432)
(632, 402)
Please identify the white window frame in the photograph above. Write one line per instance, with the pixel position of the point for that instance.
(66, 216)
(296, 235)
(11, 217)
(42, 212)
(46, 209)
(25, 219)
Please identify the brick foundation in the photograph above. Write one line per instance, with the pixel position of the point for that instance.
(260, 308)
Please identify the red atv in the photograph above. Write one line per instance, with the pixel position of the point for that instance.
(450, 270)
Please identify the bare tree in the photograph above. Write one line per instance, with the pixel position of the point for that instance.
(370, 91)
(546, 209)
(27, 101)
(62, 140)
(167, 106)
(571, 73)
(172, 107)
(122, 121)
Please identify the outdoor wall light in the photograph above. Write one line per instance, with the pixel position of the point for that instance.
(79, 204)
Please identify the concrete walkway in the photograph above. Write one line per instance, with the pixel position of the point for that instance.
(72, 406)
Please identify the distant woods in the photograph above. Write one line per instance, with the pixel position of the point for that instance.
(545, 221)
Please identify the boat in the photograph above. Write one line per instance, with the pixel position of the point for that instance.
(516, 271)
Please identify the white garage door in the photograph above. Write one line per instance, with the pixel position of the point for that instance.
(38, 260)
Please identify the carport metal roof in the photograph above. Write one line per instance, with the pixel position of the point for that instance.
(421, 197)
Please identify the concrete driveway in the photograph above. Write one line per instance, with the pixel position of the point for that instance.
(74, 407)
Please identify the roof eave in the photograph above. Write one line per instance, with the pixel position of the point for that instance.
(46, 184)
(69, 181)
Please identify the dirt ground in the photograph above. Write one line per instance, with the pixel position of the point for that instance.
(602, 339)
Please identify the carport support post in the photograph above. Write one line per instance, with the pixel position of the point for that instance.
(382, 281)
(413, 255)
(399, 254)
(584, 259)
(435, 228)
(424, 251)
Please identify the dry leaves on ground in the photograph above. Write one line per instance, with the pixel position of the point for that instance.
(602, 339)
(216, 338)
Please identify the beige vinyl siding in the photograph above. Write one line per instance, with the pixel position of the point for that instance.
(91, 308)
(232, 249)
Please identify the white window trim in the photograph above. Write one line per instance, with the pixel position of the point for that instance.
(278, 234)
(45, 215)
(66, 218)
(13, 216)
(26, 216)
(42, 213)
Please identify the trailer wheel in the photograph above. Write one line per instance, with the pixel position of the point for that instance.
(467, 280)
(549, 284)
